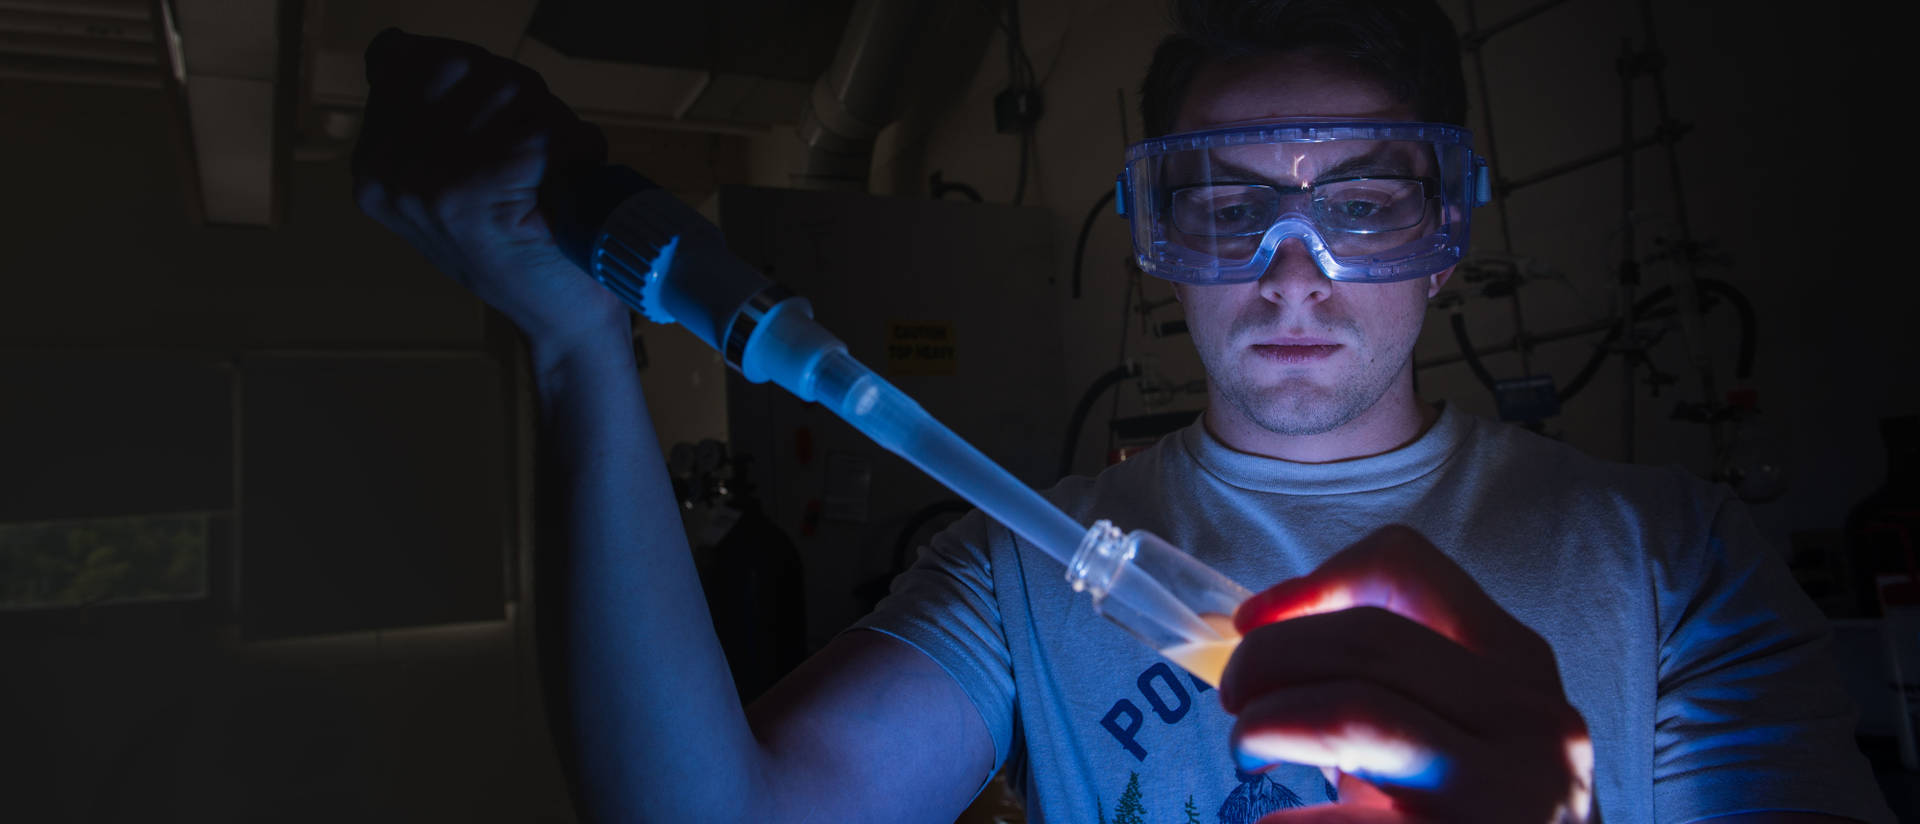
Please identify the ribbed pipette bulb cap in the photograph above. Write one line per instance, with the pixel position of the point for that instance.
(1099, 559)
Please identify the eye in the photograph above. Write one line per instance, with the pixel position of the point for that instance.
(1232, 213)
(1236, 214)
(1357, 209)
(1223, 210)
(1369, 205)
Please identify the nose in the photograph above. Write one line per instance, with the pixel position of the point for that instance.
(1294, 276)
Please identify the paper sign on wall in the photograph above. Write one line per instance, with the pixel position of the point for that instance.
(920, 348)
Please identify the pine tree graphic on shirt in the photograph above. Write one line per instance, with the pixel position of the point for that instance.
(1193, 813)
(1256, 796)
(1130, 810)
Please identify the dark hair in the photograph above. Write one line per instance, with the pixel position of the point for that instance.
(1409, 46)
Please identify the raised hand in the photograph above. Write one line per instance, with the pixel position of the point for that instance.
(467, 156)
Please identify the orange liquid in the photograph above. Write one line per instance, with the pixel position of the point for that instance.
(1207, 659)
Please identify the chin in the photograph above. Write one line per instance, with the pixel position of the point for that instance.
(1295, 409)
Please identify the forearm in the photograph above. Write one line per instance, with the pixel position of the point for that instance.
(656, 725)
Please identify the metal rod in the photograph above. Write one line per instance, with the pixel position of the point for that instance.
(224, 354)
(1486, 130)
(1506, 227)
(1475, 38)
(1509, 345)
(133, 12)
(1667, 133)
(1629, 271)
(1554, 336)
(121, 78)
(76, 25)
(1686, 289)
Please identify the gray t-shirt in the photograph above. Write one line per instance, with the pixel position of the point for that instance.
(1699, 666)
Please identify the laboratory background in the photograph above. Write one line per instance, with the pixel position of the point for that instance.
(267, 535)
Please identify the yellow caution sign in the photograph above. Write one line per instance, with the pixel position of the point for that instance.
(920, 348)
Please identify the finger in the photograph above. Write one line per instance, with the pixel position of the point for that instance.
(371, 196)
(1338, 814)
(465, 102)
(1386, 649)
(519, 117)
(489, 87)
(1363, 729)
(1419, 759)
(1398, 569)
(1354, 792)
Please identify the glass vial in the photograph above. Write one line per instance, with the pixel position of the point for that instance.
(1180, 607)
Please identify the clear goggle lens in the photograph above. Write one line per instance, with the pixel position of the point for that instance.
(1370, 201)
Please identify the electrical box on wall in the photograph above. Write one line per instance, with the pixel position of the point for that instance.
(948, 300)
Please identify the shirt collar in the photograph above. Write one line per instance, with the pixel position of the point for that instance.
(1389, 469)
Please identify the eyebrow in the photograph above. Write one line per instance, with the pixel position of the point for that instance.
(1376, 160)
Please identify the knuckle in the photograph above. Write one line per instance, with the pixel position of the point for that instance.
(1372, 625)
(1355, 699)
(408, 204)
(370, 195)
(444, 207)
(1572, 724)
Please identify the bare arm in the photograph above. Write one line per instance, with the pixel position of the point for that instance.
(456, 156)
(869, 729)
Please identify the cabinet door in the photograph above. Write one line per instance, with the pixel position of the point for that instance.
(373, 493)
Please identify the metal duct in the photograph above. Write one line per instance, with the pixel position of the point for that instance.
(858, 94)
(232, 82)
(92, 43)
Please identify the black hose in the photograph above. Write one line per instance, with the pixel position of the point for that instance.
(1743, 370)
(1020, 182)
(1080, 410)
(1749, 322)
(939, 189)
(1591, 367)
(1086, 229)
(1749, 330)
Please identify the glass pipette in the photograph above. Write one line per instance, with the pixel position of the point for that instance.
(666, 261)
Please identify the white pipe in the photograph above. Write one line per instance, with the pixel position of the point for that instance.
(856, 96)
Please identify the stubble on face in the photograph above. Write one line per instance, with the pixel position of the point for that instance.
(1299, 403)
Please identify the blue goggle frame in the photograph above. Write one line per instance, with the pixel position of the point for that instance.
(1142, 195)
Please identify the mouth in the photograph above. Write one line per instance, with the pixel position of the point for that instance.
(1295, 350)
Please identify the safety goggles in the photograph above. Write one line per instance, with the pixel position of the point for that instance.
(1372, 201)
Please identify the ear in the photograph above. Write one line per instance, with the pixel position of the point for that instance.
(1437, 280)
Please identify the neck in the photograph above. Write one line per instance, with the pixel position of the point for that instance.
(1398, 418)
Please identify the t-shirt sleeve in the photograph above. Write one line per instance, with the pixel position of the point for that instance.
(944, 606)
(1751, 713)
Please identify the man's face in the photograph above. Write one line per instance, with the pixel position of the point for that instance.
(1295, 353)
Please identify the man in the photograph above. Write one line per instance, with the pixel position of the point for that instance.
(1551, 631)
